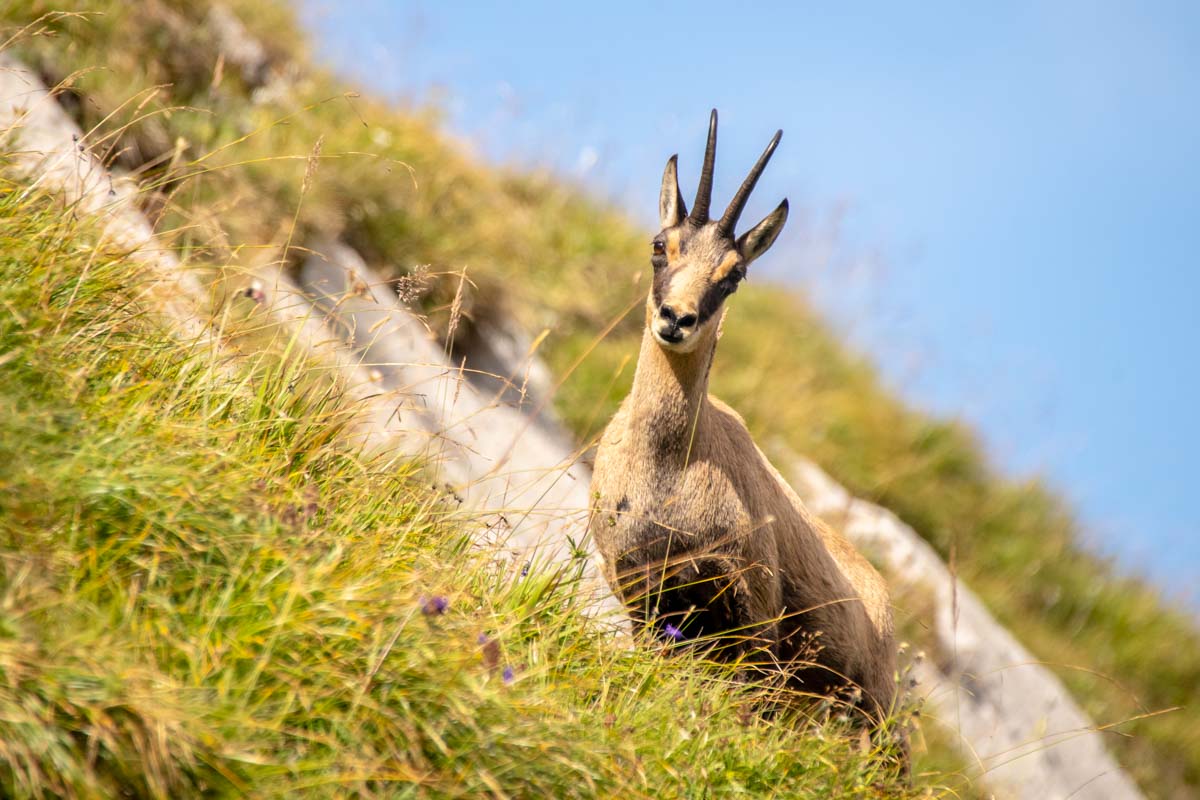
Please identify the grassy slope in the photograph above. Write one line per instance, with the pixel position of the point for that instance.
(555, 260)
(200, 591)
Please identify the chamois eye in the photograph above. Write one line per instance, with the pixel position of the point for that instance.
(659, 258)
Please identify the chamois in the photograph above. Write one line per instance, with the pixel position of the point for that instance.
(701, 536)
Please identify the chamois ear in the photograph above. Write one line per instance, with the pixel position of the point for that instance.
(671, 210)
(758, 240)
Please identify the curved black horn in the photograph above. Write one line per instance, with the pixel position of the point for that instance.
(738, 203)
(699, 214)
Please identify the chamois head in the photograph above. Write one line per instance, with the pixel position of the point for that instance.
(697, 261)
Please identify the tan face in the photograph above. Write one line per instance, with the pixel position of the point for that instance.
(693, 274)
(697, 262)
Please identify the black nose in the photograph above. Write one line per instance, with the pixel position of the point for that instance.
(668, 313)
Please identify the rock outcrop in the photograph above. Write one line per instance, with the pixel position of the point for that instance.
(1014, 720)
(528, 482)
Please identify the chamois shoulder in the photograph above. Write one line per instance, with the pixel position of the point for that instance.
(852, 563)
(724, 409)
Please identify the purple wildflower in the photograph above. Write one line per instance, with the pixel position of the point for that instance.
(507, 675)
(434, 606)
(672, 632)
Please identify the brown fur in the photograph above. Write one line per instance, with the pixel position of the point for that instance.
(696, 527)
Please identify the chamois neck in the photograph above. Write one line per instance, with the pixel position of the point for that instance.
(669, 391)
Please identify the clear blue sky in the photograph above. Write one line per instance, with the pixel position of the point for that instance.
(1001, 205)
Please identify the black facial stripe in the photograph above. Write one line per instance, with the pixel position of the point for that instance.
(662, 279)
(710, 303)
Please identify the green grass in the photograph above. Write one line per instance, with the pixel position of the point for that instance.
(202, 592)
(225, 173)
